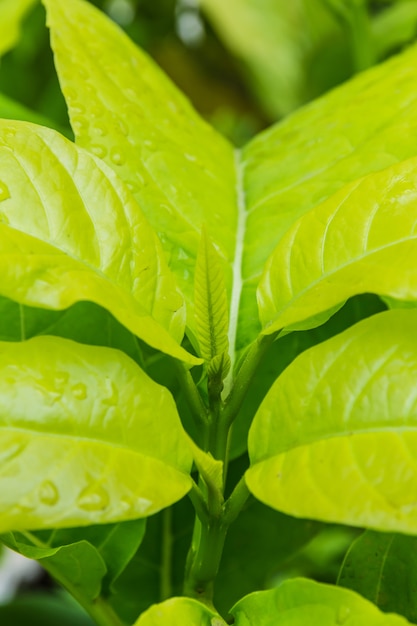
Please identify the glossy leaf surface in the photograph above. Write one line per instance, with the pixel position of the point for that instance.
(90, 243)
(179, 612)
(348, 133)
(126, 111)
(382, 567)
(125, 106)
(360, 240)
(83, 437)
(319, 441)
(79, 566)
(299, 602)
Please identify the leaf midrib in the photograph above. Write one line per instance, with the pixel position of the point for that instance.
(237, 274)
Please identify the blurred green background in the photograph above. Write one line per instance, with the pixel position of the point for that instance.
(243, 63)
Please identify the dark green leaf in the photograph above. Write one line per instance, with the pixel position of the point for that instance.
(382, 567)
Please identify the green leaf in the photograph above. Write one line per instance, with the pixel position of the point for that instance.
(283, 352)
(209, 468)
(126, 111)
(79, 566)
(295, 165)
(75, 233)
(210, 301)
(157, 569)
(43, 609)
(12, 12)
(184, 175)
(318, 444)
(179, 612)
(299, 602)
(382, 567)
(360, 240)
(115, 543)
(84, 437)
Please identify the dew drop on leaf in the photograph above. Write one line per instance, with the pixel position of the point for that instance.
(99, 130)
(11, 452)
(117, 158)
(93, 500)
(48, 493)
(343, 615)
(79, 391)
(98, 150)
(61, 378)
(4, 192)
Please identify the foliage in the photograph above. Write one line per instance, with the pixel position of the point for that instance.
(181, 317)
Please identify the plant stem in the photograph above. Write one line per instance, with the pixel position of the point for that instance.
(236, 501)
(166, 570)
(205, 561)
(194, 400)
(244, 377)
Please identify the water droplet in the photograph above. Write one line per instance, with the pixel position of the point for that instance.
(142, 505)
(99, 151)
(78, 125)
(190, 157)
(4, 192)
(61, 378)
(77, 108)
(10, 453)
(96, 500)
(132, 188)
(99, 130)
(126, 505)
(123, 127)
(79, 391)
(343, 615)
(96, 111)
(117, 158)
(48, 493)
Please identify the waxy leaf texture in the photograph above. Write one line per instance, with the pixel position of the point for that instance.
(83, 437)
(319, 442)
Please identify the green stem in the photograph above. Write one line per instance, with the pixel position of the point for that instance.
(98, 609)
(166, 570)
(244, 377)
(205, 561)
(214, 516)
(199, 502)
(192, 395)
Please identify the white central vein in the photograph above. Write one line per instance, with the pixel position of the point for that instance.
(237, 267)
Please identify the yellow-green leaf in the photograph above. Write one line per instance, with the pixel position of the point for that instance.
(301, 602)
(126, 111)
(70, 230)
(360, 240)
(210, 302)
(335, 437)
(83, 437)
(179, 612)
